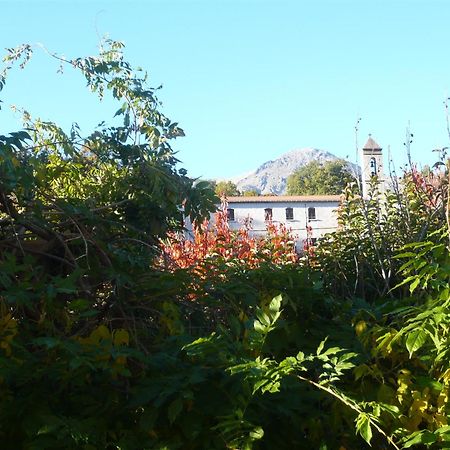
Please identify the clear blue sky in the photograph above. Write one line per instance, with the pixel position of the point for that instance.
(249, 80)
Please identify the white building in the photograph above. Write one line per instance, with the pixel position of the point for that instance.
(318, 212)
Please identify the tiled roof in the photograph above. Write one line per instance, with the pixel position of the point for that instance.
(285, 198)
(371, 144)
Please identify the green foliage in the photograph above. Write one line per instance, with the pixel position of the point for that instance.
(250, 193)
(81, 218)
(315, 178)
(362, 257)
(392, 249)
(226, 189)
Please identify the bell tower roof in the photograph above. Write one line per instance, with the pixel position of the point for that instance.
(371, 144)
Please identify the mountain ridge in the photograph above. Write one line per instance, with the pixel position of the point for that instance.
(271, 176)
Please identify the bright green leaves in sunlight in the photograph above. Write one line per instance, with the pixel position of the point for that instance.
(415, 340)
(266, 318)
(363, 427)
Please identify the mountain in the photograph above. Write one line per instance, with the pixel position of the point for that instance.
(271, 177)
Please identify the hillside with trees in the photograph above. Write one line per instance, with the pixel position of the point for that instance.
(117, 332)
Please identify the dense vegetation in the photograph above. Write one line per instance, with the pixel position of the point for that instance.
(225, 188)
(117, 333)
(316, 178)
(229, 189)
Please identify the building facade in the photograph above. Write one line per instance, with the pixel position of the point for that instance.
(308, 217)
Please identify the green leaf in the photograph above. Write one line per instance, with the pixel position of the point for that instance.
(363, 427)
(420, 437)
(257, 433)
(414, 284)
(415, 340)
(275, 305)
(259, 327)
(429, 383)
(263, 318)
(79, 304)
(331, 351)
(174, 409)
(405, 255)
(414, 439)
(320, 347)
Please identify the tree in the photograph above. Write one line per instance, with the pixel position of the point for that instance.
(250, 193)
(226, 188)
(211, 184)
(318, 178)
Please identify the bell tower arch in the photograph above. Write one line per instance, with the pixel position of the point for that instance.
(372, 166)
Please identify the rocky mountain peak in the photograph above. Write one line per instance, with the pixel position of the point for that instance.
(271, 176)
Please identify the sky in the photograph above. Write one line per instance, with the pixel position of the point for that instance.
(249, 80)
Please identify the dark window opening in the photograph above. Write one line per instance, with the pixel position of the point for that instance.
(268, 214)
(289, 214)
(373, 167)
(230, 214)
(311, 213)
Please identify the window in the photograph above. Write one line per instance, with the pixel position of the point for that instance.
(230, 214)
(289, 214)
(373, 167)
(311, 213)
(268, 214)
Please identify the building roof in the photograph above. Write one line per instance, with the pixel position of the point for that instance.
(371, 144)
(285, 198)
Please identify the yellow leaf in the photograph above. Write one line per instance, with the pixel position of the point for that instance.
(121, 337)
(360, 327)
(445, 377)
(442, 398)
(440, 419)
(101, 333)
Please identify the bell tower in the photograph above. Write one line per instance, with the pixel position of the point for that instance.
(372, 166)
